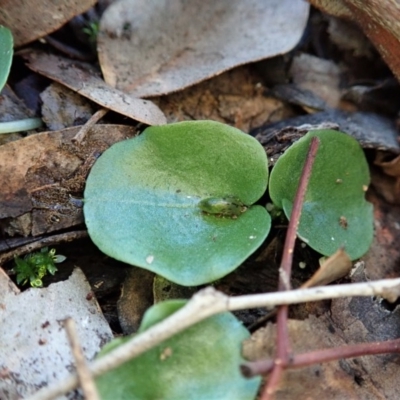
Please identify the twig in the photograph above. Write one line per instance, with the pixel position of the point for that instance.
(263, 367)
(47, 241)
(99, 114)
(85, 377)
(209, 302)
(285, 270)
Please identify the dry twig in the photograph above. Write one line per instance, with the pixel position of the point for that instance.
(85, 377)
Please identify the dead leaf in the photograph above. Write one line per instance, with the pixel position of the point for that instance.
(136, 298)
(12, 109)
(369, 129)
(382, 259)
(83, 79)
(391, 168)
(377, 18)
(63, 108)
(152, 48)
(41, 174)
(335, 267)
(33, 20)
(235, 98)
(34, 346)
(338, 380)
(321, 77)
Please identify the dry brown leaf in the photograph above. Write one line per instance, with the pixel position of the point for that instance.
(386, 178)
(377, 18)
(382, 259)
(235, 97)
(82, 78)
(149, 48)
(366, 378)
(40, 173)
(391, 168)
(335, 267)
(32, 20)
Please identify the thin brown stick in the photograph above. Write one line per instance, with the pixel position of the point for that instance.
(98, 115)
(263, 367)
(285, 270)
(43, 242)
(84, 375)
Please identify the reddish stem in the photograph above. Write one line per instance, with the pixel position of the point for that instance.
(263, 367)
(285, 270)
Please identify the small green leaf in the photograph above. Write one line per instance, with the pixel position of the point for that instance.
(6, 54)
(35, 266)
(177, 200)
(200, 363)
(335, 212)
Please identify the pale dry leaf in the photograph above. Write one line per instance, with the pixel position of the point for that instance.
(321, 77)
(32, 20)
(149, 48)
(34, 347)
(82, 78)
(335, 267)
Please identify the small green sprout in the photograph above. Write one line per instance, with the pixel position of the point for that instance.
(33, 267)
(92, 30)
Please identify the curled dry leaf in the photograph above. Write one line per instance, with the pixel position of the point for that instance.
(150, 48)
(386, 179)
(31, 21)
(82, 78)
(335, 267)
(377, 18)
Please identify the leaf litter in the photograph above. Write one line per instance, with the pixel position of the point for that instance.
(380, 260)
(37, 343)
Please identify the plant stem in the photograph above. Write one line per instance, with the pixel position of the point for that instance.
(263, 367)
(285, 270)
(20, 125)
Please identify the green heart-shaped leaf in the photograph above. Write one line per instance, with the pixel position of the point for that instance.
(335, 212)
(200, 363)
(6, 54)
(177, 200)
